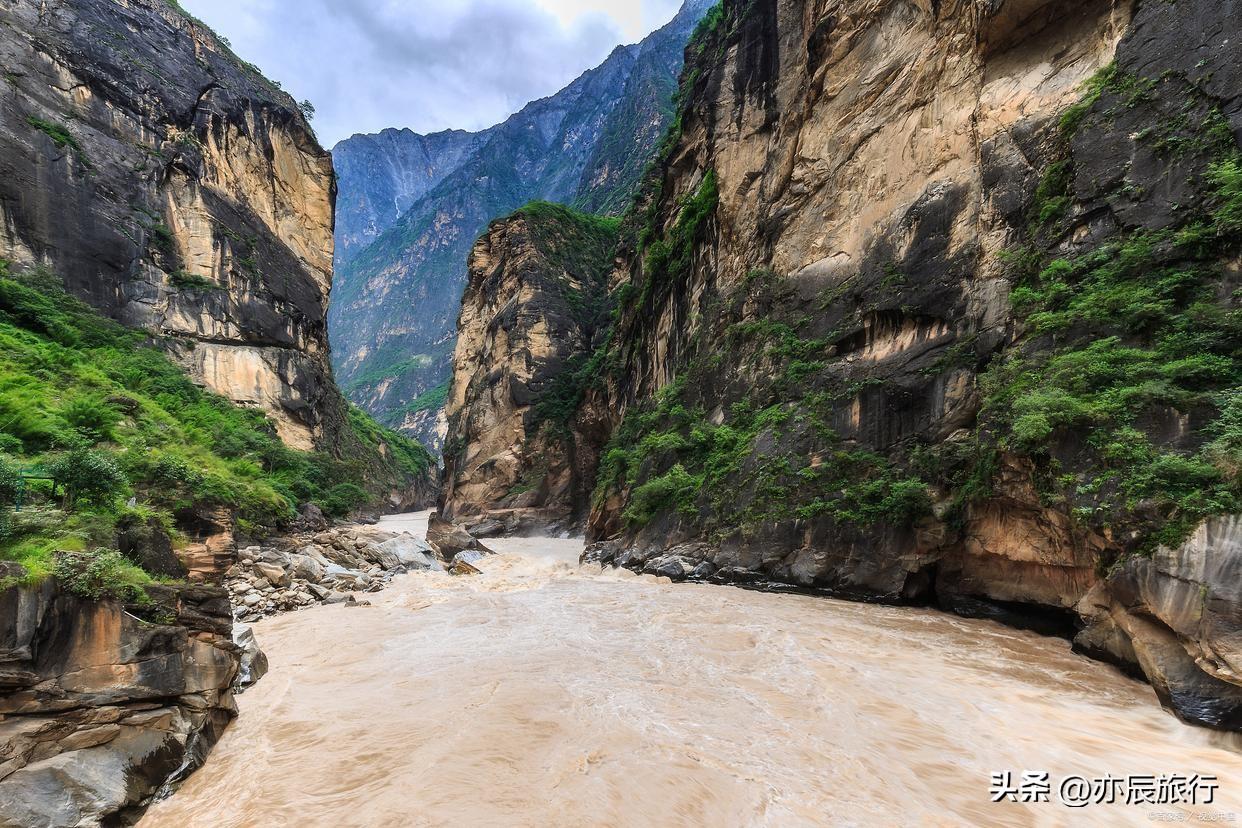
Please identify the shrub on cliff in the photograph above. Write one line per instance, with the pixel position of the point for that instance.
(91, 416)
(343, 499)
(101, 575)
(10, 478)
(109, 415)
(88, 477)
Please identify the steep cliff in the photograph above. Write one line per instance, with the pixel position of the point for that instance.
(175, 189)
(165, 264)
(396, 301)
(382, 176)
(936, 302)
(535, 305)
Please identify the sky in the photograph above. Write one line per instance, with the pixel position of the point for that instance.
(425, 64)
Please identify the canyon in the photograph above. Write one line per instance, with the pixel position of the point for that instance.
(922, 303)
(166, 246)
(915, 319)
(590, 696)
(413, 205)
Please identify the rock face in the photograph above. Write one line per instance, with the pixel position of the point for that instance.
(397, 299)
(99, 709)
(176, 190)
(1176, 615)
(931, 302)
(536, 301)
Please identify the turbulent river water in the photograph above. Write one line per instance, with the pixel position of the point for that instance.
(544, 694)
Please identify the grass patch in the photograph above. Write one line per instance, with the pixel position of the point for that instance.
(432, 400)
(61, 137)
(93, 404)
(192, 282)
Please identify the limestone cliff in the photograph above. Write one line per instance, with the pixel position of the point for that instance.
(936, 302)
(533, 309)
(99, 708)
(174, 188)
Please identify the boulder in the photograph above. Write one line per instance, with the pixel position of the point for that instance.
(311, 519)
(668, 566)
(487, 528)
(306, 568)
(470, 556)
(382, 556)
(411, 552)
(274, 556)
(314, 553)
(253, 660)
(276, 575)
(448, 539)
(463, 568)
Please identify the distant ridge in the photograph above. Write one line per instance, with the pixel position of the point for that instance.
(411, 207)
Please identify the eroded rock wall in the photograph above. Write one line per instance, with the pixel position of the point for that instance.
(397, 297)
(533, 309)
(174, 188)
(883, 335)
(99, 709)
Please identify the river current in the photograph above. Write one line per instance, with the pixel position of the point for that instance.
(541, 693)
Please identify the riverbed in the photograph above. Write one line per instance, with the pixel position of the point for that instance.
(541, 693)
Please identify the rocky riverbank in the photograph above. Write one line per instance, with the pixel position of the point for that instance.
(325, 567)
(104, 705)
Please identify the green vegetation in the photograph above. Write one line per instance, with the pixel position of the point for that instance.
(93, 405)
(759, 466)
(384, 370)
(1054, 195)
(192, 282)
(1226, 178)
(770, 457)
(583, 243)
(582, 247)
(60, 135)
(100, 575)
(1123, 389)
(1130, 89)
(1129, 343)
(667, 261)
(373, 452)
(706, 45)
(432, 400)
(581, 373)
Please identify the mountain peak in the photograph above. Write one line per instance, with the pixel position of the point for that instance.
(409, 213)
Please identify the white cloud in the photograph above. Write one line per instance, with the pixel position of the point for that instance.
(429, 64)
(635, 19)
